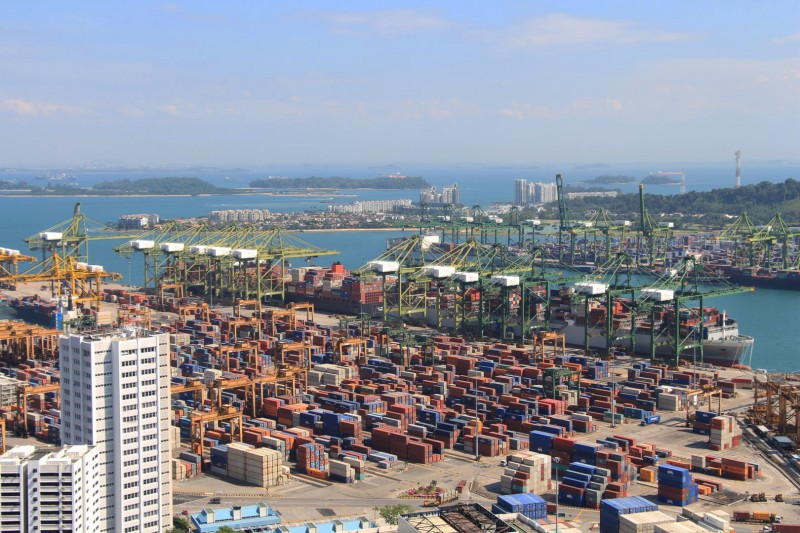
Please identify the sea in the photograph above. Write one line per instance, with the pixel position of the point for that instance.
(771, 317)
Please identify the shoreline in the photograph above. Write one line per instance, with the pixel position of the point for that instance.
(316, 193)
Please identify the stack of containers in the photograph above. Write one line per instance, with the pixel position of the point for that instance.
(341, 471)
(530, 505)
(526, 472)
(702, 421)
(612, 509)
(725, 433)
(643, 522)
(193, 463)
(178, 470)
(311, 458)
(583, 485)
(258, 466)
(718, 519)
(675, 486)
(669, 402)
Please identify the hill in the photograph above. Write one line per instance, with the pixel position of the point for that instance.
(761, 202)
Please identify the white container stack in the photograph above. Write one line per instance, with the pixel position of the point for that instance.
(257, 466)
(178, 470)
(537, 465)
(680, 527)
(725, 433)
(643, 522)
(211, 374)
(669, 402)
(325, 374)
(341, 471)
(718, 520)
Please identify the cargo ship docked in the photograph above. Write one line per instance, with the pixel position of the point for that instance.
(787, 280)
(50, 313)
(723, 345)
(334, 290)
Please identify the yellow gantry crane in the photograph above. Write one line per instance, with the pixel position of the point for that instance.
(69, 278)
(23, 393)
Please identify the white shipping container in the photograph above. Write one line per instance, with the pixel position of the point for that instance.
(143, 244)
(172, 247)
(245, 253)
(466, 277)
(591, 288)
(384, 267)
(51, 236)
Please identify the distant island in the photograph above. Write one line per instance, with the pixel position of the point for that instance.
(656, 179)
(157, 186)
(610, 180)
(188, 186)
(385, 183)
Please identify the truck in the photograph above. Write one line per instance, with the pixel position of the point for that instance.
(757, 516)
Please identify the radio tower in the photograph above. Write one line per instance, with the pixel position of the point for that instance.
(738, 168)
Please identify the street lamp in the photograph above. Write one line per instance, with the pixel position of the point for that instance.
(477, 430)
(557, 460)
(613, 398)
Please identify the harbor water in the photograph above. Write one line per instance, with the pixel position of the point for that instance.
(771, 317)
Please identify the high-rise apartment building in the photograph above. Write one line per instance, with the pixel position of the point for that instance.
(545, 193)
(115, 395)
(520, 192)
(50, 492)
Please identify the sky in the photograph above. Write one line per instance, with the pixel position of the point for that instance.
(388, 82)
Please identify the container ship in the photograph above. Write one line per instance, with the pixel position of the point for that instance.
(723, 345)
(787, 280)
(50, 313)
(335, 290)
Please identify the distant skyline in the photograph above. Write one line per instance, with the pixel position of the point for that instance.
(398, 83)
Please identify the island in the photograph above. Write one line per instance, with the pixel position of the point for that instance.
(380, 183)
(610, 180)
(659, 179)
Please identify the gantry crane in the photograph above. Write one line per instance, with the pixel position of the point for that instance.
(199, 421)
(19, 341)
(23, 393)
(78, 283)
(776, 404)
(71, 237)
(195, 386)
(652, 241)
(694, 398)
(343, 349)
(9, 266)
(235, 262)
(274, 315)
(281, 376)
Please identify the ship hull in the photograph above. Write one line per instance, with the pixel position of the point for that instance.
(791, 283)
(727, 352)
(333, 305)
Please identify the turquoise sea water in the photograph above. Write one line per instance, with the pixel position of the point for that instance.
(772, 317)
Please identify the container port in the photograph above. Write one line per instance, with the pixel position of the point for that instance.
(451, 405)
(266, 399)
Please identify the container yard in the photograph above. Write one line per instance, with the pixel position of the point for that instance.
(264, 399)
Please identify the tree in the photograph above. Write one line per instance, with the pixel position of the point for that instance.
(226, 529)
(390, 513)
(181, 525)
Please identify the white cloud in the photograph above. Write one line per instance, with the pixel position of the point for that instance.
(787, 39)
(385, 23)
(563, 30)
(25, 107)
(521, 111)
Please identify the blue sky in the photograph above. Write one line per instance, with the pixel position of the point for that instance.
(458, 82)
